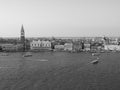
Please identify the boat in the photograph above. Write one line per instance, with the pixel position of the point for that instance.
(28, 54)
(94, 61)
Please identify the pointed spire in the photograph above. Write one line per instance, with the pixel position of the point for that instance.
(22, 29)
(23, 37)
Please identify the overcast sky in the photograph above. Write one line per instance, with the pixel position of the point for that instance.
(60, 18)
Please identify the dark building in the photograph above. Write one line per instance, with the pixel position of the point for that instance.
(82, 44)
(0, 48)
(22, 39)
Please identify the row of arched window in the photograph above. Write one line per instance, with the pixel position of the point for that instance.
(41, 45)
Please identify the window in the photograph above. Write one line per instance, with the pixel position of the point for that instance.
(43, 45)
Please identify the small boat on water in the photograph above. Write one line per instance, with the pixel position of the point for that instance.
(95, 61)
(28, 54)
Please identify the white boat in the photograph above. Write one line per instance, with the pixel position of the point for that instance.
(28, 54)
(94, 61)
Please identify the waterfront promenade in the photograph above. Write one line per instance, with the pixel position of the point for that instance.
(59, 71)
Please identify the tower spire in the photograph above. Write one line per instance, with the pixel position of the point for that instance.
(23, 37)
(22, 30)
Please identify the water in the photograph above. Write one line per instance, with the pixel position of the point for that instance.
(59, 71)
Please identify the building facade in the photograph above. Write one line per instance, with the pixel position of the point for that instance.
(112, 47)
(59, 47)
(77, 46)
(87, 47)
(11, 47)
(40, 45)
(68, 46)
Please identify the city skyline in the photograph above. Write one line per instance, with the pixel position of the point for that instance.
(63, 18)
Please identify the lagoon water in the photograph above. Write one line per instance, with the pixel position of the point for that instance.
(59, 71)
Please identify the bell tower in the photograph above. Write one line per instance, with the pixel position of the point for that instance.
(22, 39)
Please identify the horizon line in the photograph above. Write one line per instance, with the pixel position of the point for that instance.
(61, 37)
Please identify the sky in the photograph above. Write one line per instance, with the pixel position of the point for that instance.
(60, 18)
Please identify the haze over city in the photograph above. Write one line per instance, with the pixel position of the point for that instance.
(60, 18)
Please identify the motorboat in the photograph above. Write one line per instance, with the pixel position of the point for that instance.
(28, 54)
(95, 61)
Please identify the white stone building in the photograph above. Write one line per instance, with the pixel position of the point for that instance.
(59, 47)
(112, 47)
(68, 46)
(40, 45)
(87, 47)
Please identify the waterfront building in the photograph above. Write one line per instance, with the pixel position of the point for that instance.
(68, 46)
(77, 46)
(11, 47)
(86, 46)
(82, 45)
(112, 47)
(59, 47)
(96, 46)
(40, 45)
(114, 41)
